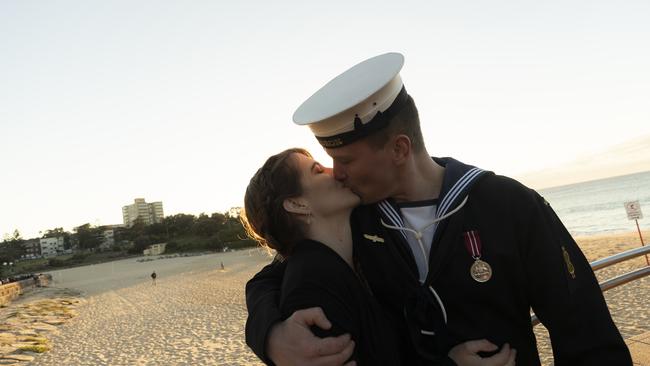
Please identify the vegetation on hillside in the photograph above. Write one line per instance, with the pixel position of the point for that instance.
(181, 232)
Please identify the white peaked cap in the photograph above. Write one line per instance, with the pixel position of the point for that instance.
(356, 103)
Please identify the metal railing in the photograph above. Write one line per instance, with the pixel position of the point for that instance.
(620, 280)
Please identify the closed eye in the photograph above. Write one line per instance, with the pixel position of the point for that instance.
(316, 168)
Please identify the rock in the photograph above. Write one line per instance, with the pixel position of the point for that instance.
(28, 332)
(43, 327)
(38, 340)
(35, 348)
(7, 349)
(18, 357)
(54, 322)
(23, 344)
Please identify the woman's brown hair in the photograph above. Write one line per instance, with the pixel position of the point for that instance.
(264, 216)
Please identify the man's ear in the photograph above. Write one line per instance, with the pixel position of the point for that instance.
(401, 148)
(296, 205)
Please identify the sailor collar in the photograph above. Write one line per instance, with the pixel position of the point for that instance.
(457, 181)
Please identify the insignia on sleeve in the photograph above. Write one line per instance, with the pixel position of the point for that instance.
(374, 238)
(569, 265)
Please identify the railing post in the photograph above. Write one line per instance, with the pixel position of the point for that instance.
(642, 243)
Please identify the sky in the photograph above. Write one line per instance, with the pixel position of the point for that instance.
(178, 101)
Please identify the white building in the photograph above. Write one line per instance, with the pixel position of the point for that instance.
(149, 213)
(155, 249)
(51, 247)
(107, 237)
(32, 248)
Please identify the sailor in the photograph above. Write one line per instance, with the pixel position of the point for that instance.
(454, 252)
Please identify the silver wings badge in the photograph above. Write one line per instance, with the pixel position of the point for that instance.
(373, 238)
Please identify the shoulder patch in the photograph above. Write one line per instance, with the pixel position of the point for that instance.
(569, 265)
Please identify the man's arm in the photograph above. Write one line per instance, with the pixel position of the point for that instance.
(565, 294)
(288, 342)
(292, 341)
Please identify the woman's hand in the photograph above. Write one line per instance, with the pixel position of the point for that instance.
(466, 354)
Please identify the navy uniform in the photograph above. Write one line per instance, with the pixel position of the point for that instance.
(492, 251)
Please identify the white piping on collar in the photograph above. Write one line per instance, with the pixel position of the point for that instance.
(393, 216)
(460, 185)
(418, 234)
(457, 189)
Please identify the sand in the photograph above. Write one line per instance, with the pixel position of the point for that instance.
(196, 313)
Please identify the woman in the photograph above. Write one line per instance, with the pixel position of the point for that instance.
(295, 206)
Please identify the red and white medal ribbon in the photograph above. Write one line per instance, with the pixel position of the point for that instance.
(473, 243)
(480, 270)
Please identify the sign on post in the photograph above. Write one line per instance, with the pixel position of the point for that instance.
(633, 210)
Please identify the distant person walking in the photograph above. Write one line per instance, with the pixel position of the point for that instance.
(153, 278)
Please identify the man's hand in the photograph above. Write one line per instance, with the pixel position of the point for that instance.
(466, 354)
(291, 342)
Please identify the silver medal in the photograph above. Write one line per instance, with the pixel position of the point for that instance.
(481, 271)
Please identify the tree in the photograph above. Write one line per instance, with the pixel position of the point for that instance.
(54, 233)
(207, 225)
(234, 212)
(11, 248)
(232, 218)
(89, 237)
(16, 236)
(156, 232)
(218, 218)
(179, 224)
(140, 244)
(232, 228)
(137, 229)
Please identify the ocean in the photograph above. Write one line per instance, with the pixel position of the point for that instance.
(597, 207)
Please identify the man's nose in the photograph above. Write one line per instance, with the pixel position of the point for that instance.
(339, 173)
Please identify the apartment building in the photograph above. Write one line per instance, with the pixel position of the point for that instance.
(51, 247)
(32, 248)
(149, 213)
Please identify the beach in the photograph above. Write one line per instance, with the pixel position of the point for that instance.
(195, 313)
